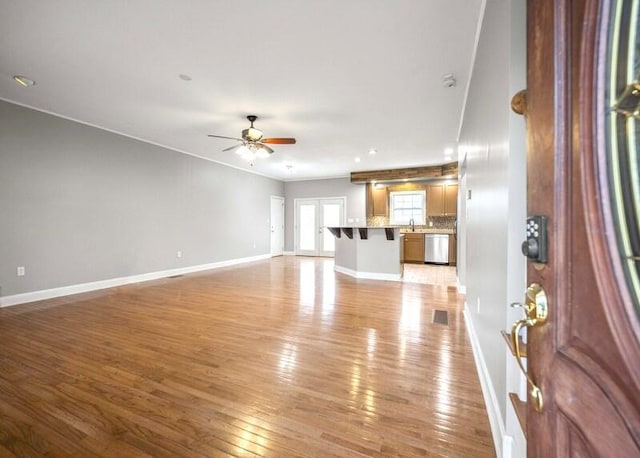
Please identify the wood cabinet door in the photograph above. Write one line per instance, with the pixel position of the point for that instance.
(380, 201)
(414, 247)
(450, 199)
(377, 201)
(369, 199)
(435, 200)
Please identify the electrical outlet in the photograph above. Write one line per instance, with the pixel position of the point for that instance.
(179, 254)
(478, 304)
(254, 244)
(21, 271)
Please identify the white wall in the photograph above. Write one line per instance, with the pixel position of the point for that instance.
(79, 205)
(333, 187)
(493, 141)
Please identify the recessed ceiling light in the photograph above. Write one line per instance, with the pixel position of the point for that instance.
(357, 159)
(23, 81)
(184, 77)
(372, 151)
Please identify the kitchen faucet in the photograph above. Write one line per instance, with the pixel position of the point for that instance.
(412, 224)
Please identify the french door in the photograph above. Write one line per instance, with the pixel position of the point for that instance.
(313, 216)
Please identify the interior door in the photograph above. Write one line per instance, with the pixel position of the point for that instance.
(313, 216)
(583, 176)
(277, 226)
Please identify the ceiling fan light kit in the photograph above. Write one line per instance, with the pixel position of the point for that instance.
(250, 152)
(252, 133)
(252, 144)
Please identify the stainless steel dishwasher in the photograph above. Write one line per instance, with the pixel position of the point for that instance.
(436, 248)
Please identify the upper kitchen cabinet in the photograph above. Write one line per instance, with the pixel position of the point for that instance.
(377, 201)
(442, 199)
(435, 200)
(451, 199)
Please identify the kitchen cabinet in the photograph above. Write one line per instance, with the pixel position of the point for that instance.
(450, 199)
(377, 201)
(435, 200)
(414, 247)
(452, 249)
(442, 199)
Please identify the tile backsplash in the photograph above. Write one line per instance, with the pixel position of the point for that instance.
(438, 222)
(377, 221)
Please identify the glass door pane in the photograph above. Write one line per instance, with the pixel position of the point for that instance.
(330, 217)
(307, 227)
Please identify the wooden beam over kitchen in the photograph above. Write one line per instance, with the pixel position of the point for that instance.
(411, 173)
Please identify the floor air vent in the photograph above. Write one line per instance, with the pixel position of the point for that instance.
(441, 317)
(175, 276)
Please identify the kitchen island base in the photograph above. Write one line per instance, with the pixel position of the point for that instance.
(377, 256)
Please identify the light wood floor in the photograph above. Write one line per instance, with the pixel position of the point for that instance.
(277, 358)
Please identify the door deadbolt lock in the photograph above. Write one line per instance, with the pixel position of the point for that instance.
(535, 247)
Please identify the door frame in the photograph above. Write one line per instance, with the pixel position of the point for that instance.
(296, 201)
(274, 250)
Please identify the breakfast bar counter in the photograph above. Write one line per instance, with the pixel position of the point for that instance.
(373, 252)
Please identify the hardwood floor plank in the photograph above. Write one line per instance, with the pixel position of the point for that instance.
(281, 357)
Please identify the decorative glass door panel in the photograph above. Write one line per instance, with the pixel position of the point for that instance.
(623, 137)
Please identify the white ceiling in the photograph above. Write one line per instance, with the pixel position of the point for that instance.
(342, 76)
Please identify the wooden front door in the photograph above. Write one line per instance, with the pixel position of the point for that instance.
(583, 176)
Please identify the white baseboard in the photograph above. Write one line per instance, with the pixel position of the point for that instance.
(289, 253)
(6, 301)
(498, 430)
(368, 275)
(462, 289)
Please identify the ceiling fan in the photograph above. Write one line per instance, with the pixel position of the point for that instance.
(252, 144)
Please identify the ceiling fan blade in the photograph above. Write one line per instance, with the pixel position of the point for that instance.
(279, 141)
(228, 138)
(265, 147)
(231, 148)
